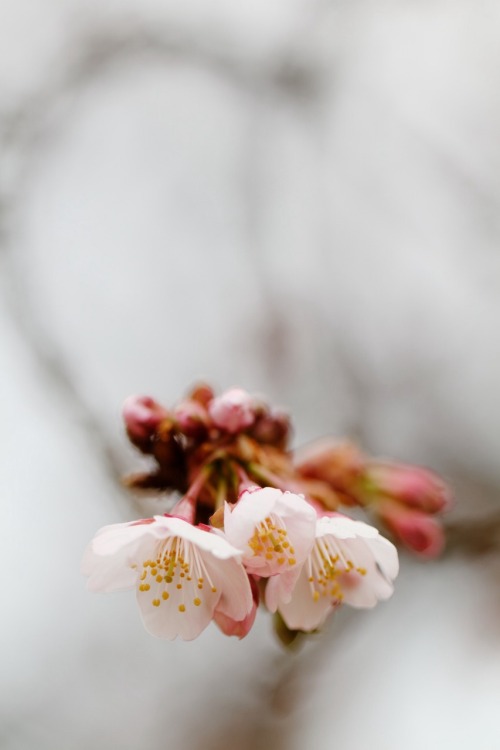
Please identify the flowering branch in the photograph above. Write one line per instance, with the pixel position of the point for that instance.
(257, 523)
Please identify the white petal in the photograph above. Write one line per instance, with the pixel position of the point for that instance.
(110, 560)
(110, 539)
(279, 588)
(177, 616)
(236, 599)
(110, 573)
(386, 556)
(302, 612)
(342, 527)
(215, 543)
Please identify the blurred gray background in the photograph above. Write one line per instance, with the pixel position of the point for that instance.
(298, 197)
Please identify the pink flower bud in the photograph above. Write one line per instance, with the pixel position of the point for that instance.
(233, 411)
(412, 486)
(142, 415)
(239, 628)
(192, 418)
(416, 530)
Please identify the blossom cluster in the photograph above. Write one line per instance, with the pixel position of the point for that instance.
(255, 523)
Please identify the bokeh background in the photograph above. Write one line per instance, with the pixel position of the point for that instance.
(297, 196)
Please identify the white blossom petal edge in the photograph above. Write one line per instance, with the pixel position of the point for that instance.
(183, 574)
(350, 563)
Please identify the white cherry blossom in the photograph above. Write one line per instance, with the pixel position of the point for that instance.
(183, 574)
(274, 530)
(350, 562)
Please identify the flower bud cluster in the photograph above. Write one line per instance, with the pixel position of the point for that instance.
(256, 524)
(204, 429)
(406, 499)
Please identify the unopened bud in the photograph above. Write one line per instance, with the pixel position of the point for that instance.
(192, 418)
(233, 411)
(412, 486)
(142, 415)
(418, 531)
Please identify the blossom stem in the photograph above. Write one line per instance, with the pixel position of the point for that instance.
(244, 481)
(186, 507)
(221, 493)
(273, 480)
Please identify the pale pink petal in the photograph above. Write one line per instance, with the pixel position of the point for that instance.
(386, 556)
(110, 560)
(238, 627)
(110, 539)
(110, 573)
(279, 588)
(303, 612)
(179, 615)
(236, 595)
(215, 543)
(168, 612)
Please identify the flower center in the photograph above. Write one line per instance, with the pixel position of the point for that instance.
(270, 540)
(177, 575)
(326, 563)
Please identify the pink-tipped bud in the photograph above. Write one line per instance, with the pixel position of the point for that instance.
(192, 418)
(233, 411)
(239, 628)
(412, 486)
(418, 531)
(339, 464)
(142, 415)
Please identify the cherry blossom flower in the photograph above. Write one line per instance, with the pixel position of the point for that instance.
(275, 531)
(183, 574)
(350, 562)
